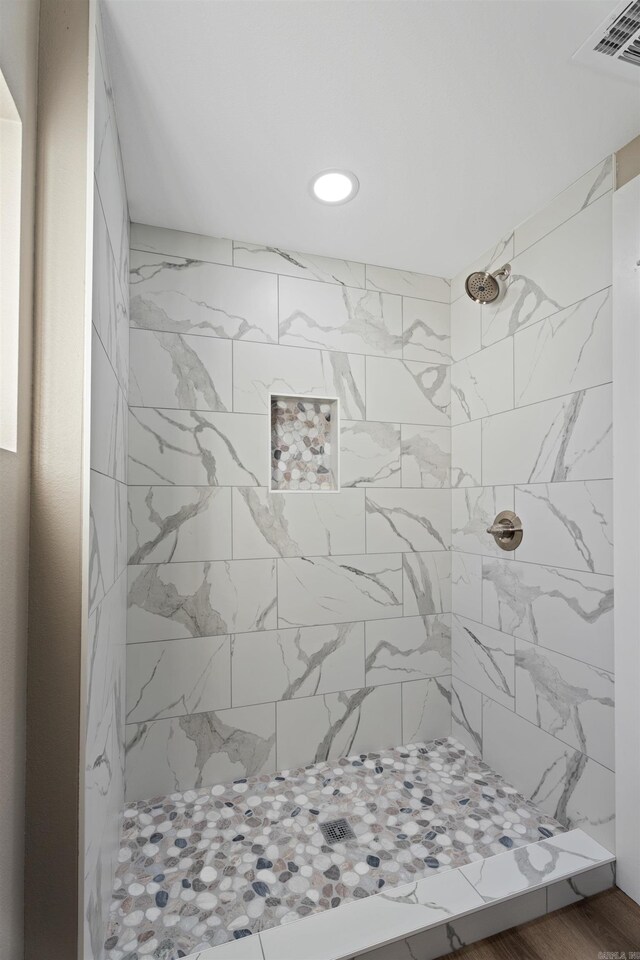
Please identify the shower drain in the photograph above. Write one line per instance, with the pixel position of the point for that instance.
(335, 831)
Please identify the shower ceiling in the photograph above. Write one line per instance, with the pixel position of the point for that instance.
(460, 118)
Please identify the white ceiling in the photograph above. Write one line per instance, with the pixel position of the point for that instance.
(460, 118)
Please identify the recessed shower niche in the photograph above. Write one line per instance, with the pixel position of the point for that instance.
(303, 444)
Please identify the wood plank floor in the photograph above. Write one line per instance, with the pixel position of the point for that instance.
(606, 923)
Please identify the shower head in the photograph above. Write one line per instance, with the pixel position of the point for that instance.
(483, 287)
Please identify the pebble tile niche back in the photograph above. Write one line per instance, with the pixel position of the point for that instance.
(303, 448)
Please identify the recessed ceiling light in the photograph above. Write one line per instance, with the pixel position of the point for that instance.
(334, 186)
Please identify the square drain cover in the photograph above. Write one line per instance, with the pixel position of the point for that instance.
(336, 831)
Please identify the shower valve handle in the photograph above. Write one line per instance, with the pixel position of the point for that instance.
(500, 529)
(507, 530)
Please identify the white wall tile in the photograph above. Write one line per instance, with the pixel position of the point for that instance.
(409, 648)
(108, 416)
(483, 383)
(466, 454)
(426, 582)
(426, 709)
(426, 330)
(466, 715)
(369, 454)
(269, 524)
(565, 892)
(173, 370)
(332, 317)
(303, 265)
(466, 327)
(466, 586)
(107, 534)
(408, 520)
(175, 243)
(403, 391)
(426, 456)
(473, 510)
(174, 524)
(484, 659)
(388, 280)
(110, 310)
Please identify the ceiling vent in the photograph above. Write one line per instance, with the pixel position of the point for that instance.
(615, 46)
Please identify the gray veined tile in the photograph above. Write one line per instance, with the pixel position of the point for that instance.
(107, 535)
(562, 610)
(175, 678)
(500, 253)
(466, 715)
(466, 586)
(260, 369)
(473, 510)
(574, 889)
(484, 659)
(567, 698)
(108, 416)
(109, 305)
(369, 454)
(425, 330)
(426, 582)
(409, 648)
(339, 589)
(177, 600)
(482, 384)
(543, 281)
(566, 352)
(426, 709)
(569, 438)
(269, 524)
(466, 454)
(407, 284)
(408, 520)
(297, 662)
(333, 317)
(199, 750)
(534, 865)
(175, 243)
(337, 724)
(567, 524)
(406, 391)
(466, 327)
(173, 370)
(564, 782)
(593, 185)
(181, 295)
(302, 265)
(426, 456)
(197, 448)
(174, 524)
(246, 948)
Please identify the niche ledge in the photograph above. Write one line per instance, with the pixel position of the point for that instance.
(303, 444)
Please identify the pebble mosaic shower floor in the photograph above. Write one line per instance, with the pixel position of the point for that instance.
(202, 867)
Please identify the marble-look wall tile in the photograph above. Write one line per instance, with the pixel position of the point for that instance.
(409, 648)
(466, 454)
(408, 520)
(466, 586)
(419, 285)
(180, 295)
(404, 391)
(543, 280)
(338, 724)
(426, 456)
(565, 892)
(175, 678)
(175, 243)
(466, 327)
(566, 352)
(568, 524)
(108, 416)
(260, 369)
(177, 600)
(425, 330)
(296, 662)
(369, 454)
(593, 185)
(482, 384)
(189, 752)
(426, 709)
(174, 524)
(332, 317)
(569, 438)
(484, 659)
(339, 589)
(426, 582)
(562, 610)
(473, 510)
(302, 265)
(269, 524)
(107, 535)
(194, 448)
(110, 311)
(492, 259)
(466, 715)
(172, 370)
(571, 700)
(577, 791)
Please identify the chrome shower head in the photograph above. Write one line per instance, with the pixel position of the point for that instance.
(483, 287)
